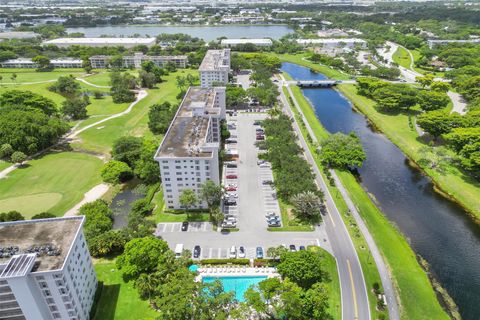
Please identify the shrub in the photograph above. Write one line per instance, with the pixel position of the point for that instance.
(116, 172)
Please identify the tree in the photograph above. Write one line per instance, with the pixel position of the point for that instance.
(432, 100)
(217, 216)
(142, 206)
(438, 122)
(6, 150)
(98, 218)
(235, 96)
(121, 87)
(434, 158)
(141, 255)
(315, 303)
(440, 86)
(18, 157)
(146, 168)
(160, 117)
(127, 149)
(42, 62)
(116, 62)
(211, 193)
(426, 80)
(115, 172)
(303, 267)
(188, 198)
(108, 243)
(66, 85)
(75, 108)
(11, 216)
(13, 77)
(276, 252)
(138, 226)
(181, 82)
(458, 138)
(307, 206)
(395, 97)
(43, 215)
(147, 79)
(342, 151)
(27, 100)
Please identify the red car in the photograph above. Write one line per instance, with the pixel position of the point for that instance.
(231, 176)
(231, 188)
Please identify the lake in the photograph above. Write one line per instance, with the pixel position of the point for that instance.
(207, 33)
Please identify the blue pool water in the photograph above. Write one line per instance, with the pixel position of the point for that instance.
(236, 284)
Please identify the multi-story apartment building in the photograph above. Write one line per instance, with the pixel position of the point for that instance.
(188, 155)
(28, 63)
(214, 68)
(135, 61)
(46, 271)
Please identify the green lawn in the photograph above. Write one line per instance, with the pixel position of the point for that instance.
(301, 60)
(411, 281)
(102, 77)
(53, 183)
(402, 58)
(456, 184)
(100, 139)
(30, 75)
(159, 214)
(4, 164)
(119, 300)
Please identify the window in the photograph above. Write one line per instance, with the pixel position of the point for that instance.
(166, 179)
(178, 167)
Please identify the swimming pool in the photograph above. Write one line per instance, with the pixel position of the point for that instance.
(236, 284)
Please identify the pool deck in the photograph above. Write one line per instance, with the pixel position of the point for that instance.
(236, 271)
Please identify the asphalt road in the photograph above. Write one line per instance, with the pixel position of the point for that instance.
(352, 283)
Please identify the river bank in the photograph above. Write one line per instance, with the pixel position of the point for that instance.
(454, 184)
(412, 284)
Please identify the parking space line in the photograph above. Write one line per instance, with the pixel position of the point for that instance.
(210, 252)
(164, 225)
(219, 252)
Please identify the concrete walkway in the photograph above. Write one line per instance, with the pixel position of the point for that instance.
(387, 284)
(91, 84)
(93, 194)
(459, 104)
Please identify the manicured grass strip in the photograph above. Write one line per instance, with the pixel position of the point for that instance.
(402, 58)
(53, 183)
(412, 283)
(30, 75)
(301, 60)
(119, 300)
(410, 279)
(454, 182)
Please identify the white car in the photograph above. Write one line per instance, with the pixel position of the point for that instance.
(232, 194)
(242, 252)
(233, 252)
(264, 165)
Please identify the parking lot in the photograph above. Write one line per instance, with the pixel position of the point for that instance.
(254, 199)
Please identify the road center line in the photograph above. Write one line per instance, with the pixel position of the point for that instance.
(353, 290)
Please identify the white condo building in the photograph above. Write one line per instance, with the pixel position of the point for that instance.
(46, 271)
(261, 42)
(135, 61)
(29, 64)
(214, 68)
(188, 155)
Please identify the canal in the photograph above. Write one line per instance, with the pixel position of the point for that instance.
(436, 228)
(207, 33)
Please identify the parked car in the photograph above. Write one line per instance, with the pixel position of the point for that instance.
(233, 252)
(259, 253)
(232, 194)
(229, 224)
(230, 202)
(274, 225)
(301, 248)
(231, 165)
(228, 141)
(196, 252)
(231, 188)
(260, 138)
(257, 123)
(241, 252)
(259, 130)
(264, 165)
(270, 214)
(231, 176)
(259, 162)
(267, 182)
(184, 225)
(292, 248)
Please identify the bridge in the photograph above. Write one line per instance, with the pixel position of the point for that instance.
(318, 83)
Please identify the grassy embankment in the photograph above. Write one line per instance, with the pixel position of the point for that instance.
(119, 300)
(453, 182)
(402, 58)
(417, 297)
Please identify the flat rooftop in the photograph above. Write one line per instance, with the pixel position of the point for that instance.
(216, 60)
(58, 232)
(331, 40)
(114, 41)
(188, 131)
(244, 41)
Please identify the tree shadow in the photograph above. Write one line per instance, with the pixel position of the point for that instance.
(106, 301)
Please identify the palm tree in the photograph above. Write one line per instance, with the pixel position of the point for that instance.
(146, 284)
(274, 112)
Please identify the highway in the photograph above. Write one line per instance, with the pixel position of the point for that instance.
(355, 304)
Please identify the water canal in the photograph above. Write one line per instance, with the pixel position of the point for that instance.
(436, 228)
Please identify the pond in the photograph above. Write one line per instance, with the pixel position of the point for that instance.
(121, 204)
(436, 228)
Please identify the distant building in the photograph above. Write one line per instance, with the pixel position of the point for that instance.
(215, 68)
(29, 64)
(188, 154)
(101, 42)
(135, 61)
(328, 33)
(18, 35)
(332, 46)
(235, 42)
(434, 43)
(45, 270)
